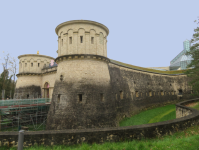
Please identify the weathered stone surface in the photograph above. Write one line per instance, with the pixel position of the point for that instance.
(87, 89)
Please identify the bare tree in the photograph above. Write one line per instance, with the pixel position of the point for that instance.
(13, 66)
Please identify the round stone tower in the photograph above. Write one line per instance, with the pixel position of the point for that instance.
(82, 90)
(29, 76)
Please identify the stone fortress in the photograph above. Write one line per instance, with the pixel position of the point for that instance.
(89, 90)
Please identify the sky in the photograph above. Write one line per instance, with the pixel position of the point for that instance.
(145, 33)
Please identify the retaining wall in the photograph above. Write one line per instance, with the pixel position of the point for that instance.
(116, 134)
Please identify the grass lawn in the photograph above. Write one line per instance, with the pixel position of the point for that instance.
(196, 106)
(151, 116)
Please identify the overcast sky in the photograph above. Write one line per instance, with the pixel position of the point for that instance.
(146, 33)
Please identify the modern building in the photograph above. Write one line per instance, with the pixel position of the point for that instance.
(181, 61)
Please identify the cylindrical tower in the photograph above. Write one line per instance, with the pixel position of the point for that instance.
(29, 76)
(82, 91)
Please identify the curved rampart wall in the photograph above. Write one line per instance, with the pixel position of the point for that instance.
(69, 137)
(134, 89)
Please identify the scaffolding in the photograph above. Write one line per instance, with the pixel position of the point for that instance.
(27, 114)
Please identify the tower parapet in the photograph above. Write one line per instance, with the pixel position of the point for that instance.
(82, 37)
(33, 63)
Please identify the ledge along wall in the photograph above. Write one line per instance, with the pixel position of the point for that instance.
(71, 136)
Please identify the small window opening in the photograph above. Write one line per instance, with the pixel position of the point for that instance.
(31, 64)
(38, 64)
(150, 93)
(147, 83)
(170, 85)
(70, 40)
(174, 92)
(102, 97)
(81, 39)
(80, 97)
(121, 95)
(136, 94)
(58, 98)
(25, 64)
(27, 96)
(179, 92)
(159, 83)
(62, 42)
(92, 40)
(191, 91)
(134, 82)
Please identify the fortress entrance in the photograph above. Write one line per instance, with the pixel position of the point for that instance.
(46, 90)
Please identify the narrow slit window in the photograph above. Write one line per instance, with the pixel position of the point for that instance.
(70, 40)
(27, 96)
(121, 94)
(102, 97)
(58, 98)
(62, 42)
(81, 39)
(31, 64)
(80, 97)
(136, 94)
(150, 93)
(132, 95)
(92, 40)
(25, 64)
(38, 64)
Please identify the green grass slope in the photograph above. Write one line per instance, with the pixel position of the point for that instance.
(151, 116)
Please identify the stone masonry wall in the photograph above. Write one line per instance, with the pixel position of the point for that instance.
(134, 90)
(71, 136)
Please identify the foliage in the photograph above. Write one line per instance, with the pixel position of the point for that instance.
(8, 84)
(193, 73)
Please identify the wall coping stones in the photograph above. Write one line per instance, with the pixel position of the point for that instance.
(81, 21)
(172, 73)
(35, 55)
